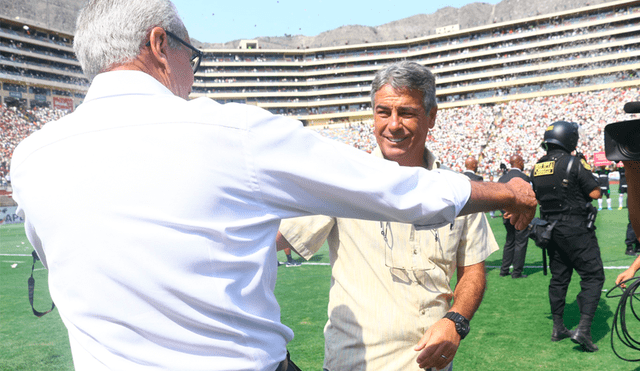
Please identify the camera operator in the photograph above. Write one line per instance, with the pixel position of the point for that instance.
(632, 173)
(565, 187)
(622, 143)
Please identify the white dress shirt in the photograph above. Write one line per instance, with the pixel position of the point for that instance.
(157, 216)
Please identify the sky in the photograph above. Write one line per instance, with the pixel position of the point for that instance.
(224, 21)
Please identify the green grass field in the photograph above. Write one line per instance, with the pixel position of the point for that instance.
(510, 331)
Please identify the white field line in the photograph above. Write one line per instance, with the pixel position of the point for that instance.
(306, 263)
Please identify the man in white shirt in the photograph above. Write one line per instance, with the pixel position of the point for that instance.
(160, 273)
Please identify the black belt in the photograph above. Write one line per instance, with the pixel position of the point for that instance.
(283, 365)
(287, 365)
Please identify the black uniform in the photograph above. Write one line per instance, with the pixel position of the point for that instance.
(603, 179)
(515, 246)
(573, 245)
(473, 176)
(631, 241)
(623, 181)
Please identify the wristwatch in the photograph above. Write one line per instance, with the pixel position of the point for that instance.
(462, 324)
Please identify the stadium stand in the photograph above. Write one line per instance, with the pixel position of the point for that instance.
(578, 50)
(15, 125)
(493, 132)
(38, 67)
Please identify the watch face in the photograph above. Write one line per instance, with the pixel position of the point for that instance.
(462, 329)
(462, 324)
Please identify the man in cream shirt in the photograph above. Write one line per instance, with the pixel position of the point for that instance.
(390, 288)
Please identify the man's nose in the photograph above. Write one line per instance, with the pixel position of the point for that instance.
(395, 122)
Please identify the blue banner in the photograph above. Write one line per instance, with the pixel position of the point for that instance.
(8, 215)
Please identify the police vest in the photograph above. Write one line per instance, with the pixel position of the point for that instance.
(554, 179)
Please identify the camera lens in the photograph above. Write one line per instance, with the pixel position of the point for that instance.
(631, 149)
(631, 145)
(624, 138)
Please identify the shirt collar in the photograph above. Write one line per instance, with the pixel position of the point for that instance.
(125, 82)
(428, 157)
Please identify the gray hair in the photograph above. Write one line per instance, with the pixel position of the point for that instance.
(112, 32)
(407, 75)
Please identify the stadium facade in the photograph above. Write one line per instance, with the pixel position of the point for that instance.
(38, 67)
(585, 49)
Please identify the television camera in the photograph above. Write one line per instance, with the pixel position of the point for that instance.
(622, 139)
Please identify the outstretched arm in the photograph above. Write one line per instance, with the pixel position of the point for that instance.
(515, 197)
(442, 338)
(629, 273)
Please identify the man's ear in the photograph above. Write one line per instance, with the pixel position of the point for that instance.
(431, 117)
(159, 47)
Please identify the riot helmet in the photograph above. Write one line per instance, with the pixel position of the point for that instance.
(563, 134)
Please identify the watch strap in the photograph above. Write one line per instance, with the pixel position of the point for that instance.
(462, 323)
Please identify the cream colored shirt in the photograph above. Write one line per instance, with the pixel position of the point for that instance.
(385, 295)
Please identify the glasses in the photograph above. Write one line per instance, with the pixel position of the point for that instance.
(196, 55)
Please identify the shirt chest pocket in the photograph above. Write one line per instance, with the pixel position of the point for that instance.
(407, 249)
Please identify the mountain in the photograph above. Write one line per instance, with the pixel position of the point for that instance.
(60, 15)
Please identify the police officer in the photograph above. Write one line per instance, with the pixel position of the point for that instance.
(565, 187)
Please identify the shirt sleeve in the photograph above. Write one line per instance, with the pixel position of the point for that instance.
(307, 234)
(478, 241)
(298, 172)
(586, 180)
(33, 237)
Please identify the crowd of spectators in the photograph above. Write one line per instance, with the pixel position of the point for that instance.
(15, 125)
(491, 133)
(356, 134)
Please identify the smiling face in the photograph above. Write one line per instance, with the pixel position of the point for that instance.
(401, 124)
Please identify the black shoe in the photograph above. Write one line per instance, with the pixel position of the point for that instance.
(561, 334)
(630, 252)
(504, 274)
(584, 339)
(292, 263)
(519, 276)
(582, 335)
